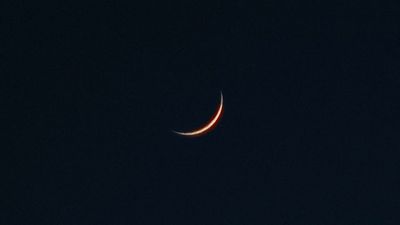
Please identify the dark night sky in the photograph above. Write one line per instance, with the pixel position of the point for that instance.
(310, 132)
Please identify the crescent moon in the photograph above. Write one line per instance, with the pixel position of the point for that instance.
(209, 126)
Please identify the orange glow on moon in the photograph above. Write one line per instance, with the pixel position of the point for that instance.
(209, 126)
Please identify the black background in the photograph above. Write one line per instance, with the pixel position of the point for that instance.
(309, 135)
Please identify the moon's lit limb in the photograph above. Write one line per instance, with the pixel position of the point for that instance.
(209, 125)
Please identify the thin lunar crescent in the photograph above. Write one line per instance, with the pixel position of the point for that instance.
(209, 125)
